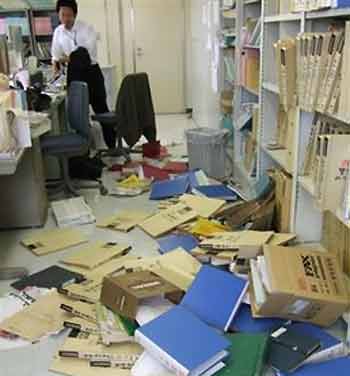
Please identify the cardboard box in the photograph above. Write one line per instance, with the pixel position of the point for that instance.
(336, 239)
(123, 294)
(303, 285)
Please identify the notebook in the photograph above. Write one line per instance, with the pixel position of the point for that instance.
(247, 355)
(290, 347)
(54, 276)
(174, 241)
(169, 188)
(215, 296)
(245, 322)
(326, 340)
(219, 191)
(182, 342)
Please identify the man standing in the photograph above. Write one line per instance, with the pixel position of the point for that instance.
(75, 43)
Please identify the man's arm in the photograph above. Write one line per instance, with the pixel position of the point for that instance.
(58, 56)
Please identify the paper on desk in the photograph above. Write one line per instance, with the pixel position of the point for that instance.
(152, 308)
(148, 366)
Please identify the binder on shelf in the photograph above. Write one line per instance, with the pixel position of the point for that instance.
(332, 70)
(332, 174)
(345, 76)
(286, 60)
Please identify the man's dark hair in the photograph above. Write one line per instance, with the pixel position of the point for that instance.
(67, 3)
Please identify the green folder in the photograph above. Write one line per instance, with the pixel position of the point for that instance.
(247, 355)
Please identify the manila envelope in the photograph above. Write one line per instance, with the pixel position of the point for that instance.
(44, 242)
(81, 367)
(124, 221)
(168, 219)
(82, 310)
(204, 206)
(96, 254)
(90, 345)
(41, 318)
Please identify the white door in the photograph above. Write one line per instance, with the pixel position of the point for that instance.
(159, 51)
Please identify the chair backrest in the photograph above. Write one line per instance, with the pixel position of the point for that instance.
(78, 108)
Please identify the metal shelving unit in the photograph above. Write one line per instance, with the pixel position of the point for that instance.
(29, 12)
(305, 217)
(243, 95)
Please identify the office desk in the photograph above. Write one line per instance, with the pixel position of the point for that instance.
(23, 198)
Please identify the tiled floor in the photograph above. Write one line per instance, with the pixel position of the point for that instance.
(35, 360)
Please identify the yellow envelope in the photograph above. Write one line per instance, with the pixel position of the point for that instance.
(168, 219)
(124, 221)
(204, 206)
(96, 254)
(44, 242)
(41, 318)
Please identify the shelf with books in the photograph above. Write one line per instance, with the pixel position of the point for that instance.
(289, 17)
(328, 13)
(253, 91)
(280, 156)
(307, 184)
(271, 87)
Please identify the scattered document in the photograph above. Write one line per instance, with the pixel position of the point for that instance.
(45, 242)
(72, 211)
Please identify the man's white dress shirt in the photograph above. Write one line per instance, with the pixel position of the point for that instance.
(66, 41)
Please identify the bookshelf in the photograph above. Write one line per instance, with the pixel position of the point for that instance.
(305, 214)
(17, 13)
(247, 88)
(37, 19)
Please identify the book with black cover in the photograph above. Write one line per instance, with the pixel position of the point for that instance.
(54, 276)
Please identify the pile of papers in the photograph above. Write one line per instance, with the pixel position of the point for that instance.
(71, 212)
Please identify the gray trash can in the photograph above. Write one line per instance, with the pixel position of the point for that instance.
(207, 150)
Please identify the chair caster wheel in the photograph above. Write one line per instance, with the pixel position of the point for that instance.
(103, 191)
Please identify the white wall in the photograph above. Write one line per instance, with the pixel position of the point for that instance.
(107, 16)
(205, 96)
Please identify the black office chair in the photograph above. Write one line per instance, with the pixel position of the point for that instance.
(133, 116)
(75, 143)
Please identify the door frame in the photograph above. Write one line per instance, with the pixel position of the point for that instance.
(127, 17)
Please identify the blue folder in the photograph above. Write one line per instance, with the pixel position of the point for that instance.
(215, 296)
(218, 191)
(184, 338)
(335, 367)
(171, 242)
(244, 322)
(169, 188)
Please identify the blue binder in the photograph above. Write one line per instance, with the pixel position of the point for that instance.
(244, 322)
(169, 188)
(171, 242)
(336, 367)
(215, 296)
(218, 191)
(182, 342)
